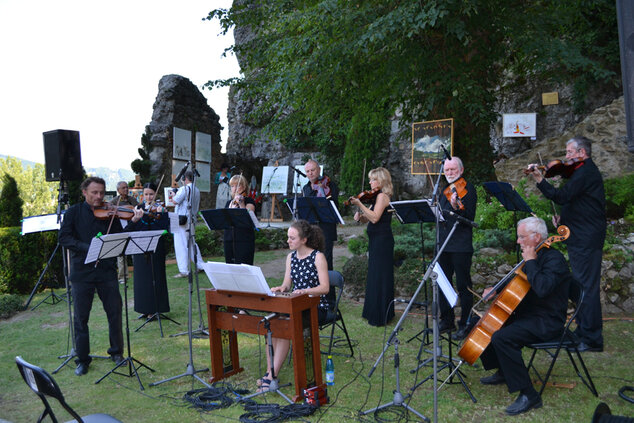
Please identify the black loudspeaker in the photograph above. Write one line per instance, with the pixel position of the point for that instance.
(62, 155)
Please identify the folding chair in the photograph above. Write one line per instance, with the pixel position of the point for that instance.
(334, 317)
(44, 385)
(569, 343)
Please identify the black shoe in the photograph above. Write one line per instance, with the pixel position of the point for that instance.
(495, 379)
(444, 326)
(117, 358)
(81, 369)
(522, 404)
(583, 347)
(460, 334)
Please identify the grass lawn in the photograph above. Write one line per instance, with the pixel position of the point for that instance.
(40, 336)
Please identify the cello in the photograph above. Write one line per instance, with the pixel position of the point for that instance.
(517, 286)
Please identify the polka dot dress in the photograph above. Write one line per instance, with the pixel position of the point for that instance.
(304, 275)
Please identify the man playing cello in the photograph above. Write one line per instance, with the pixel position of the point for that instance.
(539, 317)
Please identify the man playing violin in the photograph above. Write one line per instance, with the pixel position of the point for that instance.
(457, 255)
(322, 186)
(539, 317)
(582, 201)
(78, 229)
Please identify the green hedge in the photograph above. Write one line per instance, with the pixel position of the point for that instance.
(22, 259)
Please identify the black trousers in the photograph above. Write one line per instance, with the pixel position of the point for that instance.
(585, 264)
(330, 236)
(505, 353)
(460, 264)
(83, 294)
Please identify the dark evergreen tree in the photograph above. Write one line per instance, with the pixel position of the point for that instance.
(10, 203)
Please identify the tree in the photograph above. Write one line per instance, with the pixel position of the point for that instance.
(315, 68)
(10, 203)
(38, 195)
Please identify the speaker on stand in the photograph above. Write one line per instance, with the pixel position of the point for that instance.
(62, 155)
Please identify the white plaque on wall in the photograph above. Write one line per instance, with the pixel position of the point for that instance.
(519, 125)
(203, 147)
(182, 144)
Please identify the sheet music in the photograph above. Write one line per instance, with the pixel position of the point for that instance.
(445, 286)
(143, 241)
(334, 207)
(106, 246)
(254, 219)
(237, 277)
(173, 222)
(47, 222)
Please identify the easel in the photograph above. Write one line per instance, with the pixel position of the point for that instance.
(274, 203)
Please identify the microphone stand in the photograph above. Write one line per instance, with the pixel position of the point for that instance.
(193, 268)
(298, 187)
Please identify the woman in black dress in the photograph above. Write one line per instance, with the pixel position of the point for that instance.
(378, 307)
(239, 243)
(149, 269)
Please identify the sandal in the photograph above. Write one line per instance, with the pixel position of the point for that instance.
(264, 385)
(263, 380)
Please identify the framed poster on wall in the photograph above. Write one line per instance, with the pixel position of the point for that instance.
(427, 138)
(182, 144)
(519, 125)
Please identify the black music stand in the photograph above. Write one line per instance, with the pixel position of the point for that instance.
(124, 244)
(316, 210)
(217, 219)
(511, 200)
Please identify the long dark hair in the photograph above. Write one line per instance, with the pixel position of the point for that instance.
(313, 234)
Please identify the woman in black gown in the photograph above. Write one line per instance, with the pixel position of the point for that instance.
(239, 243)
(378, 307)
(149, 269)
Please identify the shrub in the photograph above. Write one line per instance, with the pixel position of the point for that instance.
(271, 239)
(10, 203)
(22, 259)
(358, 245)
(355, 273)
(10, 305)
(619, 194)
(209, 242)
(408, 276)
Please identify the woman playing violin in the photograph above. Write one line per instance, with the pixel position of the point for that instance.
(150, 283)
(239, 243)
(459, 196)
(378, 307)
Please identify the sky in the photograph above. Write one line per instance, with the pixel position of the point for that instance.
(94, 67)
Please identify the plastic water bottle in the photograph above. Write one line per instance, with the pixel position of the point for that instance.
(330, 372)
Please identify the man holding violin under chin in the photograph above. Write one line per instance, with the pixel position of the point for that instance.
(582, 201)
(459, 197)
(79, 227)
(322, 186)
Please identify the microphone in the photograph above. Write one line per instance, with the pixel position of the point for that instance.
(233, 167)
(459, 218)
(299, 171)
(268, 317)
(182, 172)
(447, 155)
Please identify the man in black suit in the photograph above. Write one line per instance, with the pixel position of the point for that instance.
(539, 317)
(78, 229)
(582, 200)
(322, 186)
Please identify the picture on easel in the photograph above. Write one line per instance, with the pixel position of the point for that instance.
(275, 181)
(427, 138)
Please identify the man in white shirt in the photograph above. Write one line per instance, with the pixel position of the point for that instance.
(187, 195)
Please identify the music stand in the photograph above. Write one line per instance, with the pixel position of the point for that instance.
(124, 244)
(316, 210)
(511, 200)
(217, 219)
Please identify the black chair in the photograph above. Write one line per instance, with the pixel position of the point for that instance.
(569, 343)
(44, 385)
(334, 317)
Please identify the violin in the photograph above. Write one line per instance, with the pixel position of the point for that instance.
(558, 168)
(322, 186)
(105, 212)
(517, 286)
(365, 196)
(458, 187)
